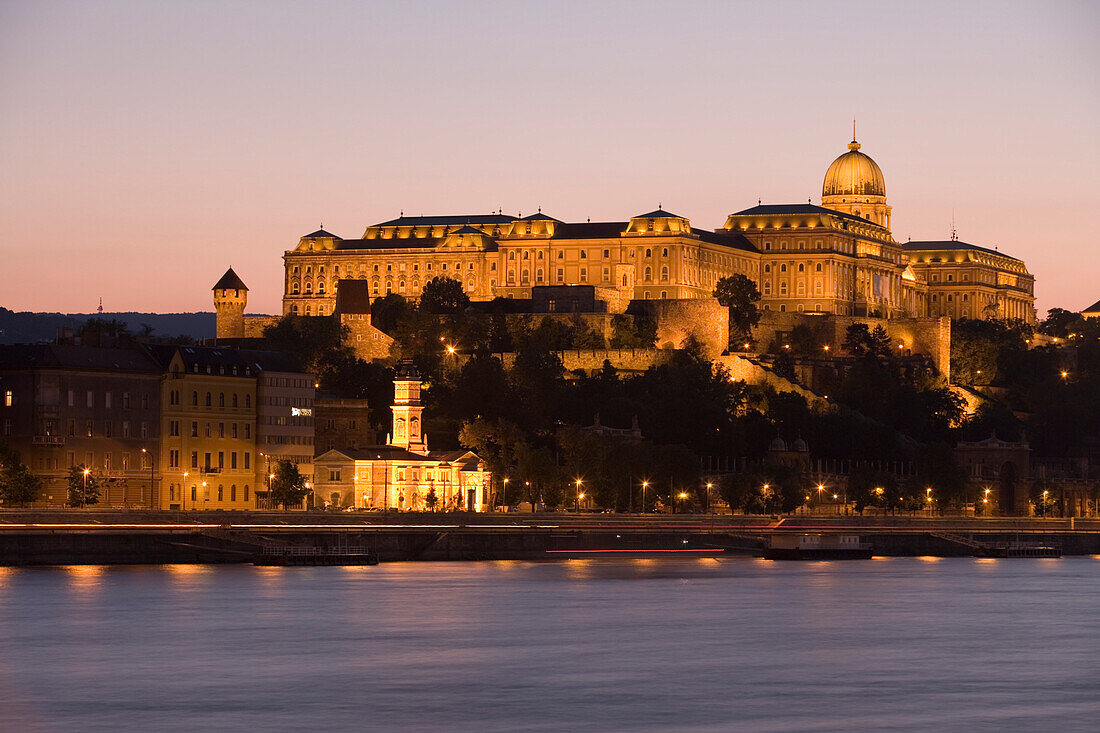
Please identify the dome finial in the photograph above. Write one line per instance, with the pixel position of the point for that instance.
(853, 145)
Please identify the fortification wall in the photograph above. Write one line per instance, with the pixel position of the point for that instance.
(368, 342)
(705, 319)
(747, 369)
(930, 337)
(254, 325)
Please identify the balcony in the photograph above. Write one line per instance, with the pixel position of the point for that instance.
(48, 440)
(210, 469)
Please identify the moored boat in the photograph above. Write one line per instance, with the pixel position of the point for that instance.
(795, 546)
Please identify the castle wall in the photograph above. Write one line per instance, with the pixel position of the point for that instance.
(705, 319)
(254, 326)
(930, 337)
(368, 342)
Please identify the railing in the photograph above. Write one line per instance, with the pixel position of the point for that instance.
(301, 551)
(210, 469)
(48, 440)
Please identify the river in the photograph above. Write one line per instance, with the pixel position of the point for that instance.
(594, 645)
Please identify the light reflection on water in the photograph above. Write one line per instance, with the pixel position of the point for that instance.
(624, 645)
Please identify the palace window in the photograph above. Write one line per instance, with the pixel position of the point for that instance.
(817, 268)
(561, 275)
(782, 268)
(664, 274)
(538, 255)
(664, 252)
(801, 267)
(649, 253)
(584, 254)
(767, 268)
(584, 274)
(648, 274)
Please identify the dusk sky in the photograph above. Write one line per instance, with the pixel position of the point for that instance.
(146, 146)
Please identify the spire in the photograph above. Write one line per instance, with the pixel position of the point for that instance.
(853, 145)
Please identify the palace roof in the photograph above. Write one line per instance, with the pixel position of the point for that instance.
(779, 209)
(1094, 308)
(952, 244)
(320, 233)
(419, 221)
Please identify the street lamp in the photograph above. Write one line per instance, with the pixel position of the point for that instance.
(683, 495)
(645, 485)
(84, 496)
(183, 487)
(151, 478)
(579, 496)
(706, 503)
(504, 497)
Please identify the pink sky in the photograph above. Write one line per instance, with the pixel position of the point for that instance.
(145, 147)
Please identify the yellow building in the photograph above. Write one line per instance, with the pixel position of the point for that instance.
(403, 474)
(839, 257)
(208, 424)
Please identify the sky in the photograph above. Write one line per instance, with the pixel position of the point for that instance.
(147, 146)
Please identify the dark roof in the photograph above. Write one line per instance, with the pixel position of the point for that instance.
(320, 233)
(415, 221)
(21, 356)
(394, 453)
(352, 296)
(727, 238)
(202, 355)
(658, 214)
(230, 281)
(1094, 308)
(539, 217)
(799, 209)
(590, 230)
(395, 243)
(952, 244)
(269, 361)
(467, 229)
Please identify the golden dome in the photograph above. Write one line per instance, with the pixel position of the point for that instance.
(854, 174)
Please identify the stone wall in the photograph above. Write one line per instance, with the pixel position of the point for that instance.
(254, 325)
(930, 337)
(368, 342)
(705, 319)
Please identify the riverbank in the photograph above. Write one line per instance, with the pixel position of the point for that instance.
(108, 537)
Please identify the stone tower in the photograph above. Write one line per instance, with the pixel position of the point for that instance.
(230, 297)
(408, 432)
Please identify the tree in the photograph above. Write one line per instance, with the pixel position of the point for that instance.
(431, 499)
(1059, 322)
(388, 311)
(443, 295)
(18, 486)
(288, 488)
(308, 340)
(740, 295)
(862, 340)
(764, 489)
(83, 487)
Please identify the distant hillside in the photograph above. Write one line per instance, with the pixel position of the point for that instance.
(25, 327)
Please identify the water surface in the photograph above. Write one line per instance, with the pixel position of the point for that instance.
(601, 645)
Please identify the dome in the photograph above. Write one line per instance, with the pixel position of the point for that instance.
(854, 174)
(800, 445)
(777, 444)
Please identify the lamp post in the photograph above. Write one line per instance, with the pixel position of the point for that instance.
(84, 496)
(579, 495)
(835, 497)
(683, 495)
(820, 488)
(151, 477)
(183, 488)
(645, 485)
(928, 498)
(706, 498)
(504, 497)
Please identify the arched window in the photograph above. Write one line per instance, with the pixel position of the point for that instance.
(817, 267)
(512, 255)
(294, 309)
(649, 253)
(234, 399)
(526, 255)
(400, 429)
(294, 289)
(539, 255)
(648, 273)
(525, 276)
(309, 288)
(782, 268)
(221, 399)
(664, 274)
(208, 402)
(248, 400)
(538, 275)
(321, 288)
(801, 267)
(767, 268)
(414, 426)
(195, 399)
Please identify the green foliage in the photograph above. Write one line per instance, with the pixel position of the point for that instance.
(984, 351)
(443, 295)
(1061, 323)
(1042, 499)
(632, 332)
(18, 486)
(868, 486)
(938, 470)
(308, 340)
(386, 312)
(740, 295)
(288, 488)
(431, 500)
(765, 488)
(83, 488)
(860, 340)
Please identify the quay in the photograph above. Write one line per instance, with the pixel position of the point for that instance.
(153, 537)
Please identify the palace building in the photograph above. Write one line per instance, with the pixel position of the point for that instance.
(839, 257)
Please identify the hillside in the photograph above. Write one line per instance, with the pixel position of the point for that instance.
(26, 327)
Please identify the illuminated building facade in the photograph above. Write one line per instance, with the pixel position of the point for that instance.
(403, 474)
(839, 257)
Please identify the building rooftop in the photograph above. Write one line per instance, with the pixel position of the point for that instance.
(230, 281)
(915, 246)
(22, 356)
(419, 221)
(779, 209)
